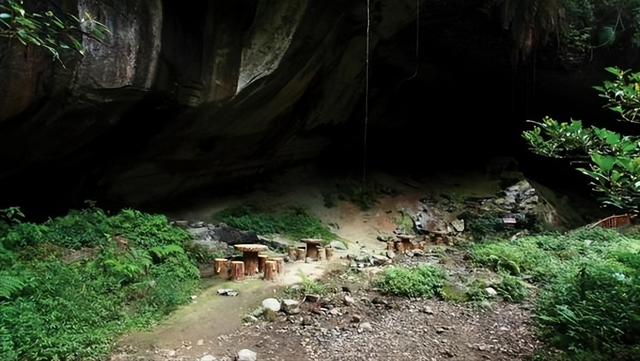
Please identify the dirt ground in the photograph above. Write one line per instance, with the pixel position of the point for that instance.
(370, 326)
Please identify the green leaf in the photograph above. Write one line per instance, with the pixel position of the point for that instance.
(604, 162)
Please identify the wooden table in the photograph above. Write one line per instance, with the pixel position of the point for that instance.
(312, 247)
(250, 256)
(404, 243)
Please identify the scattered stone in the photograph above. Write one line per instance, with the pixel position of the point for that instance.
(207, 358)
(269, 315)
(290, 307)
(246, 355)
(491, 292)
(356, 318)
(308, 260)
(427, 310)
(335, 312)
(391, 254)
(439, 330)
(307, 321)
(348, 300)
(258, 312)
(313, 298)
(458, 225)
(250, 319)
(183, 224)
(379, 260)
(271, 304)
(227, 292)
(200, 342)
(365, 327)
(338, 245)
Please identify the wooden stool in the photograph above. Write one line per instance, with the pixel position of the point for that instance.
(237, 270)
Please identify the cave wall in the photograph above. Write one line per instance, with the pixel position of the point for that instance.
(180, 97)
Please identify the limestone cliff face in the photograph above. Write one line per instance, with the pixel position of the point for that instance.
(183, 95)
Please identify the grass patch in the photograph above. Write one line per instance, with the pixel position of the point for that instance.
(589, 280)
(364, 195)
(424, 280)
(293, 223)
(53, 309)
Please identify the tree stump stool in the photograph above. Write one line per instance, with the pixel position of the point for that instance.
(279, 264)
(250, 256)
(322, 254)
(293, 253)
(329, 252)
(237, 270)
(221, 267)
(270, 270)
(302, 253)
(312, 247)
(262, 258)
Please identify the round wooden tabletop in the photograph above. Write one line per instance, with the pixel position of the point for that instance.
(250, 247)
(311, 241)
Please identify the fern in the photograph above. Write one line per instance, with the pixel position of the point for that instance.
(163, 251)
(10, 285)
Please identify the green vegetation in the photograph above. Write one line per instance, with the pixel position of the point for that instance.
(576, 26)
(424, 280)
(613, 159)
(54, 32)
(72, 285)
(589, 289)
(363, 195)
(293, 223)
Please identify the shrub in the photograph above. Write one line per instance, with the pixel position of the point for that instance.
(292, 222)
(589, 304)
(424, 280)
(52, 310)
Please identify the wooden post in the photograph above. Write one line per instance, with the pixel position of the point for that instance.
(262, 258)
(270, 268)
(279, 264)
(322, 254)
(329, 253)
(237, 270)
(221, 267)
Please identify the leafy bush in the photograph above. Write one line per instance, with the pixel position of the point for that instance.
(424, 280)
(53, 310)
(589, 304)
(293, 222)
(363, 195)
(614, 159)
(512, 288)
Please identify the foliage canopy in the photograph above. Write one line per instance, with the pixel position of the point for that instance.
(612, 160)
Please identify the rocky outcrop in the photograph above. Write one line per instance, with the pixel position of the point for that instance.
(183, 96)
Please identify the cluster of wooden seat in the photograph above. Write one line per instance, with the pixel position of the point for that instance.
(251, 263)
(312, 250)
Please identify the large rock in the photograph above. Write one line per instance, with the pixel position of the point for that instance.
(178, 99)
